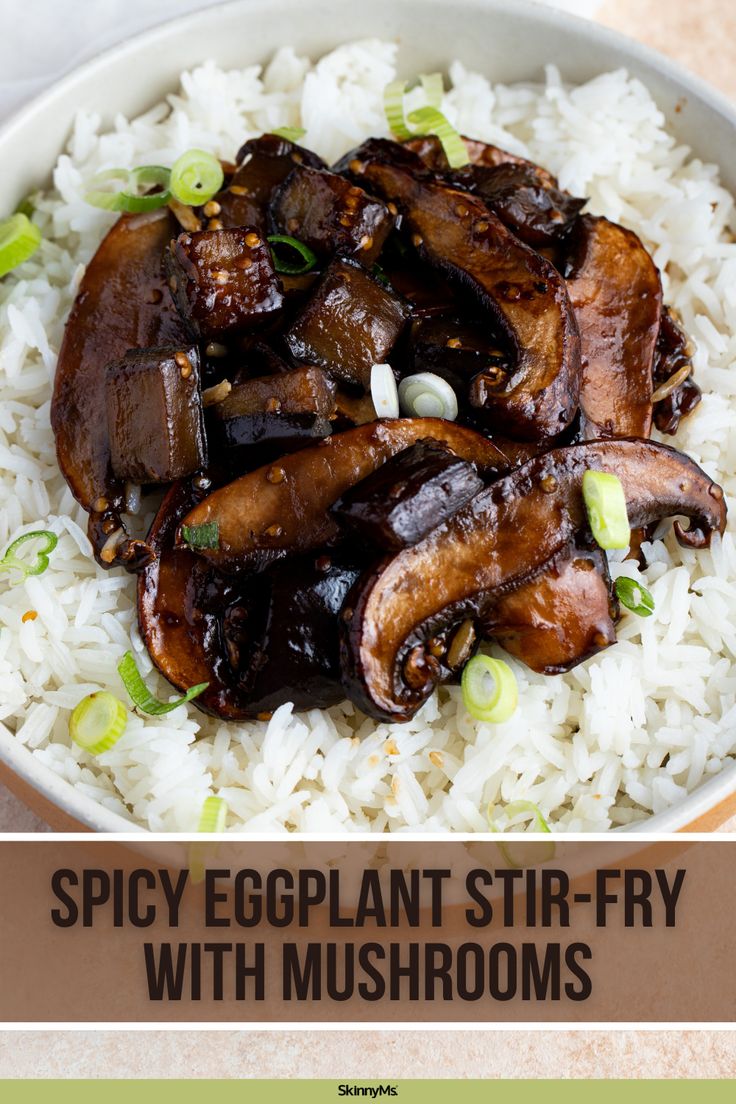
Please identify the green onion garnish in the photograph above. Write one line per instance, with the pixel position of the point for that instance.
(425, 120)
(283, 264)
(634, 596)
(213, 816)
(428, 120)
(19, 240)
(10, 561)
(98, 722)
(605, 504)
(142, 696)
(378, 274)
(130, 198)
(532, 854)
(427, 395)
(201, 536)
(291, 134)
(493, 703)
(393, 106)
(195, 177)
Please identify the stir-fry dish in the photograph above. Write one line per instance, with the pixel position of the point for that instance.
(399, 407)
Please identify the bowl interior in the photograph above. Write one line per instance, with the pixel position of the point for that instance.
(507, 41)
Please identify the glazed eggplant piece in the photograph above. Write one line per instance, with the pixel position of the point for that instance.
(676, 394)
(350, 323)
(283, 510)
(457, 350)
(561, 618)
(521, 196)
(408, 496)
(294, 655)
(616, 291)
(154, 415)
(523, 293)
(330, 215)
(223, 281)
(503, 538)
(263, 164)
(122, 303)
(252, 439)
(304, 390)
(182, 601)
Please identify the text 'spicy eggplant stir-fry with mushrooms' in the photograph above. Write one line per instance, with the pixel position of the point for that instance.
(398, 406)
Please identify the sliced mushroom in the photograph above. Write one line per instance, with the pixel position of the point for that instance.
(430, 149)
(676, 392)
(456, 233)
(283, 509)
(561, 618)
(263, 164)
(616, 291)
(181, 602)
(122, 303)
(504, 537)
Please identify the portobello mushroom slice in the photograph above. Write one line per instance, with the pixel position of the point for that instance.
(350, 323)
(331, 215)
(182, 601)
(283, 508)
(408, 496)
(562, 617)
(430, 150)
(539, 213)
(502, 539)
(676, 392)
(123, 302)
(524, 294)
(616, 291)
(223, 281)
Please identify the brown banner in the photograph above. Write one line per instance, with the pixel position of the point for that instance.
(370, 932)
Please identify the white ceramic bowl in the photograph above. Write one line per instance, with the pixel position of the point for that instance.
(507, 39)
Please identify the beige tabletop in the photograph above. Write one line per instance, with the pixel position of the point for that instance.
(702, 36)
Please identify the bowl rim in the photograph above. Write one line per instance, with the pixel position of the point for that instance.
(19, 759)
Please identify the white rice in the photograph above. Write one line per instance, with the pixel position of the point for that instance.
(624, 735)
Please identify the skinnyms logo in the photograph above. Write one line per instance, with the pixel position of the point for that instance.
(372, 1091)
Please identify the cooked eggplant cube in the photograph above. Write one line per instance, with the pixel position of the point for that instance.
(350, 323)
(280, 432)
(409, 496)
(154, 415)
(263, 164)
(302, 391)
(331, 215)
(223, 281)
(297, 659)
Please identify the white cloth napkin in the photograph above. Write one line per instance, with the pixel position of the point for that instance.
(43, 39)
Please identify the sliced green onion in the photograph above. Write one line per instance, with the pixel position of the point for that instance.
(19, 240)
(634, 596)
(130, 198)
(426, 395)
(140, 694)
(291, 134)
(383, 391)
(428, 120)
(98, 722)
(530, 853)
(10, 561)
(195, 177)
(605, 504)
(201, 536)
(434, 88)
(495, 703)
(28, 205)
(378, 274)
(283, 264)
(393, 106)
(213, 816)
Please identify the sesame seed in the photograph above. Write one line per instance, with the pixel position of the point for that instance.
(276, 474)
(548, 483)
(29, 615)
(212, 208)
(252, 239)
(454, 343)
(436, 758)
(238, 190)
(275, 531)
